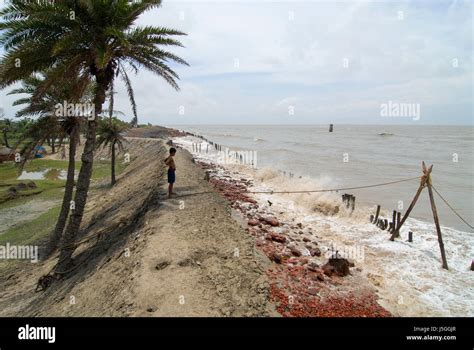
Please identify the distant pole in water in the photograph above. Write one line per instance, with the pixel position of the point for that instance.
(330, 127)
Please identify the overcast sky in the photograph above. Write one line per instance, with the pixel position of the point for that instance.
(311, 62)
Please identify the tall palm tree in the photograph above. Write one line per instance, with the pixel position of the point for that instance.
(110, 134)
(87, 38)
(50, 125)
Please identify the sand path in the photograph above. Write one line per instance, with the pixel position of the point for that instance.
(198, 262)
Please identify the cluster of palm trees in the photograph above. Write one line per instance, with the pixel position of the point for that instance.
(74, 50)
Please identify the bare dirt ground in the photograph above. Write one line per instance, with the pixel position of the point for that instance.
(143, 254)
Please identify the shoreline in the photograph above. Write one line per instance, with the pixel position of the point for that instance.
(412, 293)
(283, 251)
(303, 284)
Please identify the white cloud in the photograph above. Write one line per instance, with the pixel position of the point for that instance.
(303, 59)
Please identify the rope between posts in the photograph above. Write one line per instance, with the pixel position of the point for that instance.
(334, 189)
(311, 191)
(76, 244)
(450, 207)
(296, 192)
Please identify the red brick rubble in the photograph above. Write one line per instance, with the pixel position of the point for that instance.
(298, 287)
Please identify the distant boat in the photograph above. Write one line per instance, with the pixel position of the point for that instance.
(386, 134)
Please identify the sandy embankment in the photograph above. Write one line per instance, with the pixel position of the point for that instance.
(148, 255)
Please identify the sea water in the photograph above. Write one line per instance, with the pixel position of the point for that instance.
(408, 276)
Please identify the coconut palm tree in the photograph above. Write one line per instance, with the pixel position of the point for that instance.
(50, 125)
(83, 39)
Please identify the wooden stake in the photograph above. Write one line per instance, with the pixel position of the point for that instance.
(377, 214)
(398, 222)
(436, 220)
(412, 204)
(394, 218)
(410, 236)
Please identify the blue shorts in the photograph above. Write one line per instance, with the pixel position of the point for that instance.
(171, 176)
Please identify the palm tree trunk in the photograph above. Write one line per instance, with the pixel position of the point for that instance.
(84, 178)
(68, 191)
(113, 164)
(5, 137)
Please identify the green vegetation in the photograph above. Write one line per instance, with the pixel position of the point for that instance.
(40, 227)
(9, 174)
(32, 231)
(101, 44)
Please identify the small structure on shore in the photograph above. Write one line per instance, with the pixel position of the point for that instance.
(40, 152)
(330, 127)
(6, 154)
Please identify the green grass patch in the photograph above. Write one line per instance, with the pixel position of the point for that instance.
(27, 233)
(32, 231)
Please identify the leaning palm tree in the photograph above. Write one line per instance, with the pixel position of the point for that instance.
(110, 134)
(83, 39)
(49, 125)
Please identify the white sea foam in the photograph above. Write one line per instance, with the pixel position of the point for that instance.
(408, 276)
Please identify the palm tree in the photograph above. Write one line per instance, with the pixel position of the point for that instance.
(110, 134)
(50, 125)
(83, 39)
(6, 127)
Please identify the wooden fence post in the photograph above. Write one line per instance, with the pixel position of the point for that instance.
(377, 214)
(412, 204)
(435, 217)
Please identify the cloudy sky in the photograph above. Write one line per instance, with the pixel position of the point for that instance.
(311, 62)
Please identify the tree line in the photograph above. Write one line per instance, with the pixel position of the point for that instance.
(75, 51)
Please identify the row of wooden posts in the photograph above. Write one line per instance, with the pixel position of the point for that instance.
(349, 200)
(289, 174)
(197, 147)
(392, 226)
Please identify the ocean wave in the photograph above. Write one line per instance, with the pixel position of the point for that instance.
(326, 203)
